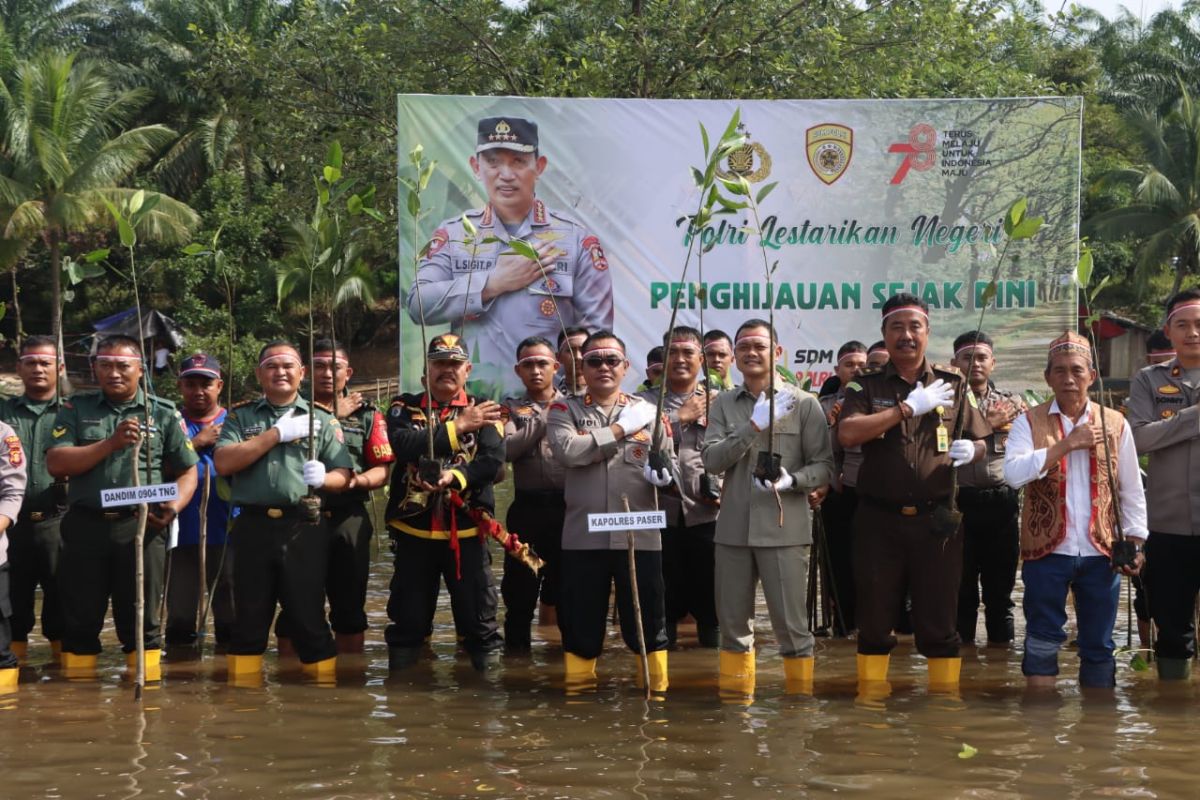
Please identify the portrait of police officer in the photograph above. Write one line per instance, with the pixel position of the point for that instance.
(497, 296)
(279, 552)
(91, 444)
(35, 539)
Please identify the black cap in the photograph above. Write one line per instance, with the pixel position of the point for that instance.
(448, 346)
(200, 364)
(509, 133)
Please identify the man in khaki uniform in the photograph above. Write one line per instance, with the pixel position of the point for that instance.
(537, 510)
(1164, 413)
(279, 554)
(91, 444)
(692, 516)
(505, 296)
(991, 529)
(765, 528)
(604, 441)
(12, 490)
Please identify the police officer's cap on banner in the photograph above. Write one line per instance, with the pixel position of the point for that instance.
(509, 133)
(448, 347)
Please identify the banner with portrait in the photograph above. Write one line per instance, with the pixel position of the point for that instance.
(874, 197)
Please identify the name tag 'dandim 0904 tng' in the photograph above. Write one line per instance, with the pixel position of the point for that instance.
(132, 495)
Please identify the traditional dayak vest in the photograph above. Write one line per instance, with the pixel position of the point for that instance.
(1044, 516)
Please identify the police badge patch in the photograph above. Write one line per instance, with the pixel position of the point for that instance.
(829, 147)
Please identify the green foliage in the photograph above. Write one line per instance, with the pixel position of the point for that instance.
(257, 89)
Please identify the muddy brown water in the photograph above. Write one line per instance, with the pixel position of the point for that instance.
(443, 730)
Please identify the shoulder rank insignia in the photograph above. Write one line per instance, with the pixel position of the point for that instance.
(867, 371)
(854, 386)
(242, 404)
(59, 432)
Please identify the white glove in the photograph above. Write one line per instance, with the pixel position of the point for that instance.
(923, 399)
(784, 483)
(761, 416)
(962, 451)
(636, 416)
(292, 427)
(659, 479)
(314, 474)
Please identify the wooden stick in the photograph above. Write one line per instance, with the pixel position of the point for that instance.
(139, 616)
(637, 603)
(202, 610)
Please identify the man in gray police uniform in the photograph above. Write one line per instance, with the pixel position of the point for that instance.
(505, 297)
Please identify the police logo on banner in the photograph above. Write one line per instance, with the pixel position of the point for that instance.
(750, 161)
(829, 147)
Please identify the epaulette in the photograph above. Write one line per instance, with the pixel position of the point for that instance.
(162, 402)
(326, 408)
(955, 371)
(868, 371)
(243, 403)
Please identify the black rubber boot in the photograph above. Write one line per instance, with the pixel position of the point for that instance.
(1174, 669)
(402, 657)
(709, 636)
(485, 660)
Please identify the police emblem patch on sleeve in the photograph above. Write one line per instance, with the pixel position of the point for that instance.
(592, 245)
(16, 456)
(436, 242)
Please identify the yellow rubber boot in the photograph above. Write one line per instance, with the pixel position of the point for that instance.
(8, 679)
(153, 665)
(580, 673)
(872, 668)
(324, 671)
(78, 667)
(944, 672)
(244, 670)
(658, 671)
(736, 678)
(20, 650)
(798, 675)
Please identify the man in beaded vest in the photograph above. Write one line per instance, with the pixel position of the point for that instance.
(1083, 492)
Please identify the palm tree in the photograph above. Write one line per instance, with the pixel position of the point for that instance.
(1164, 211)
(342, 279)
(63, 153)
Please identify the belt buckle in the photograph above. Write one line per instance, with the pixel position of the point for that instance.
(908, 511)
(275, 513)
(37, 516)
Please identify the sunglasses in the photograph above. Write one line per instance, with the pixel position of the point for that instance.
(596, 362)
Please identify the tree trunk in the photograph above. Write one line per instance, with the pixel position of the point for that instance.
(56, 309)
(16, 301)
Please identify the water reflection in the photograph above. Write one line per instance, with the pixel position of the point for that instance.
(443, 730)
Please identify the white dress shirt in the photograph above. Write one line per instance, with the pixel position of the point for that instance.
(1023, 464)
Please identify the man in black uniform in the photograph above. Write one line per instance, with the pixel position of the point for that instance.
(435, 535)
(904, 416)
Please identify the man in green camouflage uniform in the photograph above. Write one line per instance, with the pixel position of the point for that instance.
(90, 444)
